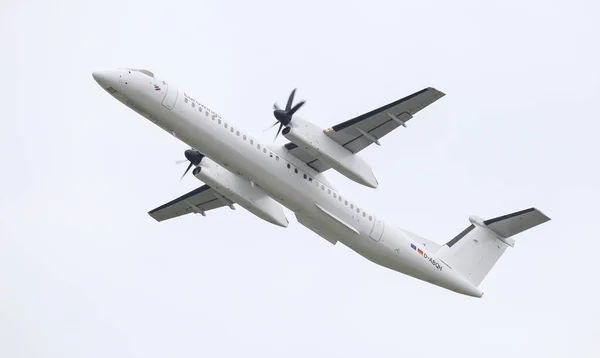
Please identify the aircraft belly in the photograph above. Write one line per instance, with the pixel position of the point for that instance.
(312, 225)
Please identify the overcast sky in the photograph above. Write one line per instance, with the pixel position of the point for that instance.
(85, 272)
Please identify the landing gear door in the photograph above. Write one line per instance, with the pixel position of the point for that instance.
(170, 97)
(377, 230)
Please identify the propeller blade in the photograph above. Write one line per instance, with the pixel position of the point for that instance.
(275, 106)
(274, 124)
(296, 107)
(288, 106)
(278, 131)
(184, 173)
(181, 161)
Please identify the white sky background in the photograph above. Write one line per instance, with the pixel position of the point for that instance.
(85, 272)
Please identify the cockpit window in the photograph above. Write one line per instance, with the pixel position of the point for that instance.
(146, 72)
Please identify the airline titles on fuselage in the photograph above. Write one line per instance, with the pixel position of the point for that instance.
(207, 111)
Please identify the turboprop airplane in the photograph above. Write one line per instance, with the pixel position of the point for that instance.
(263, 178)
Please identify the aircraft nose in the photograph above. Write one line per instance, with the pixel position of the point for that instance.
(104, 77)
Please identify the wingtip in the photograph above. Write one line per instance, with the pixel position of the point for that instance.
(151, 214)
(440, 93)
(533, 208)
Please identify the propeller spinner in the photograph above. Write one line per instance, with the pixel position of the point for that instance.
(284, 116)
(194, 157)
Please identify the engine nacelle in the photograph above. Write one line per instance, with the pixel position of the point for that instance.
(311, 138)
(240, 191)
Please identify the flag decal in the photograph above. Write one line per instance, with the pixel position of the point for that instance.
(414, 247)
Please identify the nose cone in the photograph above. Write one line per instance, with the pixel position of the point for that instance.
(105, 78)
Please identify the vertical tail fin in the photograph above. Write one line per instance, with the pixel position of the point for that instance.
(476, 250)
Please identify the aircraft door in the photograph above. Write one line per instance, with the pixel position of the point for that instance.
(170, 97)
(377, 230)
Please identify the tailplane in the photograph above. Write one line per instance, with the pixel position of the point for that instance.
(476, 250)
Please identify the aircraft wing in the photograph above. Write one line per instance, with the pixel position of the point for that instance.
(197, 201)
(358, 133)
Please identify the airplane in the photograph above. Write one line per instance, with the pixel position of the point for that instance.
(236, 168)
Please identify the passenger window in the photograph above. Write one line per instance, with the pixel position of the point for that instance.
(364, 214)
(328, 191)
(270, 155)
(265, 150)
(225, 125)
(219, 120)
(340, 199)
(237, 133)
(322, 187)
(370, 218)
(305, 176)
(193, 104)
(258, 146)
(185, 100)
(309, 178)
(231, 129)
(351, 206)
(296, 170)
(244, 137)
(289, 166)
(334, 195)
(277, 158)
(358, 210)
(252, 141)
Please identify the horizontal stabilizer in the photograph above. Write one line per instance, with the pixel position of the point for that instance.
(512, 224)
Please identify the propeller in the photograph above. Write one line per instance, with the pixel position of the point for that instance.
(194, 157)
(284, 116)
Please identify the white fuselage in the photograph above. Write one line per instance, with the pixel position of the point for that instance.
(282, 176)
